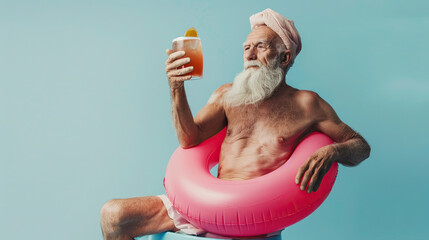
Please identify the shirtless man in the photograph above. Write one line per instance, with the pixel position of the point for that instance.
(265, 119)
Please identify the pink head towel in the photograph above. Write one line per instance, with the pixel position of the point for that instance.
(280, 25)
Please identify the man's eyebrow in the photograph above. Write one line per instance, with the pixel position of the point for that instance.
(263, 41)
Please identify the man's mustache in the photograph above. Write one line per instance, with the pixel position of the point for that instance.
(253, 63)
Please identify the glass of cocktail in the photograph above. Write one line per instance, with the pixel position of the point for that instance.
(191, 44)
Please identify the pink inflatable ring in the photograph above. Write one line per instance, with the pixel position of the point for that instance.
(243, 208)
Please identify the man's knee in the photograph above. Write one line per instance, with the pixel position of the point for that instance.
(112, 214)
(134, 217)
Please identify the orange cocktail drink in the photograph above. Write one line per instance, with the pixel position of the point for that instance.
(192, 47)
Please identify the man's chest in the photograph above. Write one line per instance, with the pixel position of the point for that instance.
(282, 123)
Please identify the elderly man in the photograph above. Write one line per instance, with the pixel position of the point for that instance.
(265, 119)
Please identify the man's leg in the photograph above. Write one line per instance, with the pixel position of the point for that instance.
(128, 218)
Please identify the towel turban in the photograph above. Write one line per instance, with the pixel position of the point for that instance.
(280, 25)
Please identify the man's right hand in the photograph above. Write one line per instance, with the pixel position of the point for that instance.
(176, 75)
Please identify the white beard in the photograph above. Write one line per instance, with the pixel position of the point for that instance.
(253, 85)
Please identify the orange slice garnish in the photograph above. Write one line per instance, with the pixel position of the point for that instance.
(191, 32)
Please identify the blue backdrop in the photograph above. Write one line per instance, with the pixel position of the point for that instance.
(85, 106)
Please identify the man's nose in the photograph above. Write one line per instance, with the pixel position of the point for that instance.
(251, 54)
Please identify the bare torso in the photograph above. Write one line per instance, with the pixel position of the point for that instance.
(261, 138)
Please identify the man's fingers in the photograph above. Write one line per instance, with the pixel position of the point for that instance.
(313, 182)
(172, 57)
(180, 72)
(181, 78)
(300, 173)
(320, 175)
(177, 63)
(317, 185)
(168, 51)
(307, 177)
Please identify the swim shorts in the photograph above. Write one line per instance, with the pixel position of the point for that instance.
(186, 227)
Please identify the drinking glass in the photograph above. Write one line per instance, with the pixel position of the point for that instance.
(193, 50)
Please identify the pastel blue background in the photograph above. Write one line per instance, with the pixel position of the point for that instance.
(85, 106)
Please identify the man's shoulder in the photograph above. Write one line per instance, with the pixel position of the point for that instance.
(313, 105)
(224, 87)
(309, 102)
(217, 95)
(307, 98)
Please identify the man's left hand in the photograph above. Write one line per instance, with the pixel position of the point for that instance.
(315, 168)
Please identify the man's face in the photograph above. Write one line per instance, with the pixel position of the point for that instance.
(260, 45)
(262, 72)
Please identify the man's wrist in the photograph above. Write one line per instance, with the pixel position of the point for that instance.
(177, 89)
(335, 153)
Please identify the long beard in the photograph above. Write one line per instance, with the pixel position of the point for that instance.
(253, 85)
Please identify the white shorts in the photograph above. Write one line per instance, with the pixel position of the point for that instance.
(186, 227)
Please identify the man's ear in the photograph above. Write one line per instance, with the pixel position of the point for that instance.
(285, 58)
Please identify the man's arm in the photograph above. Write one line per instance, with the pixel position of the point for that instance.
(210, 120)
(350, 148)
